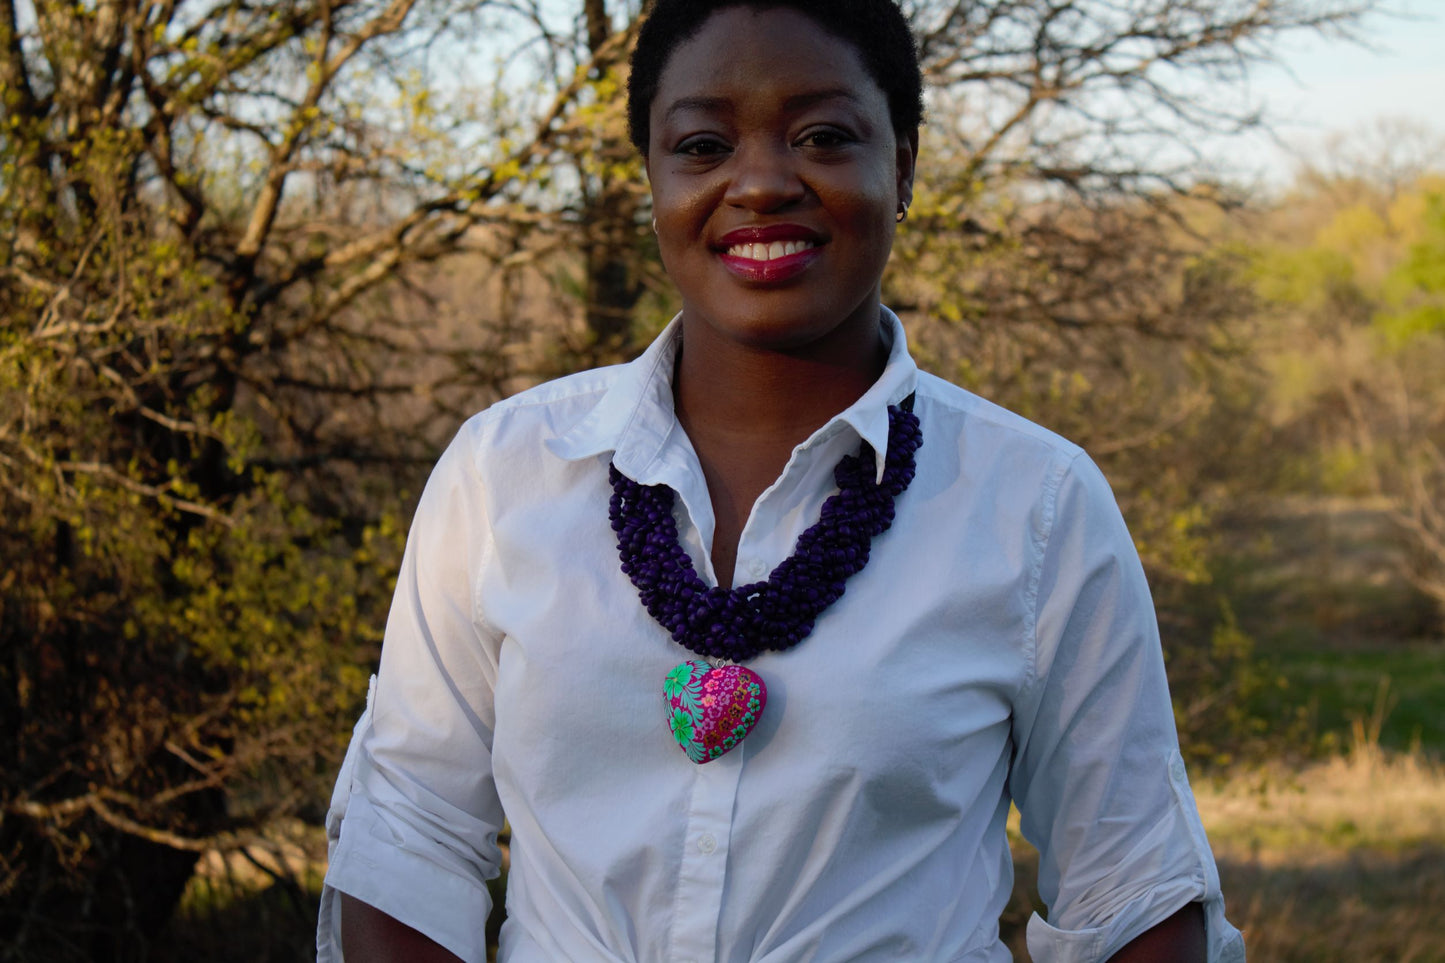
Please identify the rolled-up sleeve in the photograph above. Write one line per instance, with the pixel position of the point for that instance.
(1097, 774)
(414, 819)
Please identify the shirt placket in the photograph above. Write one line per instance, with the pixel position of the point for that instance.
(703, 872)
(703, 868)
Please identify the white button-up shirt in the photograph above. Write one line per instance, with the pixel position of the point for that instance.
(1000, 643)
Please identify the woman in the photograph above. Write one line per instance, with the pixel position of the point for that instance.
(924, 634)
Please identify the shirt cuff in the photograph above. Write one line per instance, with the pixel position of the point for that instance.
(1049, 944)
(1175, 856)
(408, 886)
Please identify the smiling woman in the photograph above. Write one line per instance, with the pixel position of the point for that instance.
(766, 131)
(753, 640)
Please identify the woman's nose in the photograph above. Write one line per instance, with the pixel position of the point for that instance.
(764, 178)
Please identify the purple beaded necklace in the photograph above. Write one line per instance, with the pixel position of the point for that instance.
(712, 707)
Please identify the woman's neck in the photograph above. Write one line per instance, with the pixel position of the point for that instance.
(745, 409)
(767, 397)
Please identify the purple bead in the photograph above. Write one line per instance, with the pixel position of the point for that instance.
(779, 612)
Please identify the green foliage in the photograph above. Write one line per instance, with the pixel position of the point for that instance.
(1357, 307)
(190, 600)
(1414, 291)
(186, 630)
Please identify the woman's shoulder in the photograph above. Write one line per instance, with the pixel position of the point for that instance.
(975, 421)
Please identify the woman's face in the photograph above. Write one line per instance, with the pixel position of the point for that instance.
(776, 178)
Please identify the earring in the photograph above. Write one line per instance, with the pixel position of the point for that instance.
(654, 225)
(902, 211)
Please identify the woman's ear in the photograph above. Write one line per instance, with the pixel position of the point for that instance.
(906, 163)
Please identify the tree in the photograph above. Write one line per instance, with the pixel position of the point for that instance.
(211, 393)
(1413, 320)
(227, 231)
(1357, 298)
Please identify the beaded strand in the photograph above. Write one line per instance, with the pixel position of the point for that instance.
(777, 613)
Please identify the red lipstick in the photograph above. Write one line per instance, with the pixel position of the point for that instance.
(769, 270)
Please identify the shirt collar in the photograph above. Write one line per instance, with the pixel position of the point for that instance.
(635, 416)
(868, 416)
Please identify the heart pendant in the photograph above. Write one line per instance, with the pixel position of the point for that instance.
(710, 709)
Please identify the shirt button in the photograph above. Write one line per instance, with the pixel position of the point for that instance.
(706, 844)
(756, 568)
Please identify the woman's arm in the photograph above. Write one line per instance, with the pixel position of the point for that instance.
(370, 936)
(417, 815)
(1179, 939)
(1097, 773)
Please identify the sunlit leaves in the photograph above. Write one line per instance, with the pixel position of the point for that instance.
(1356, 306)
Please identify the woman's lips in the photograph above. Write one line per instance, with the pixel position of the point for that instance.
(768, 255)
(760, 251)
(771, 270)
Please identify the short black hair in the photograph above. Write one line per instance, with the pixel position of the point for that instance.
(877, 29)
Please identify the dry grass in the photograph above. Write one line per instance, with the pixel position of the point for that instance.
(1365, 798)
(1340, 862)
(1360, 907)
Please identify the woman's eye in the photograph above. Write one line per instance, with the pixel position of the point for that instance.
(701, 147)
(825, 137)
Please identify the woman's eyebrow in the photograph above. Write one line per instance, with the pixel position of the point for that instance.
(705, 104)
(819, 96)
(725, 105)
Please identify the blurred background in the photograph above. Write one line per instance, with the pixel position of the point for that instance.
(258, 260)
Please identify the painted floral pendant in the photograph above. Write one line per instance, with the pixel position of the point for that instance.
(710, 709)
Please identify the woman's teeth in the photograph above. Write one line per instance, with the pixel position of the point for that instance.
(768, 252)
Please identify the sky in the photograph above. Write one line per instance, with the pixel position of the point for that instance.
(1324, 86)
(1329, 86)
